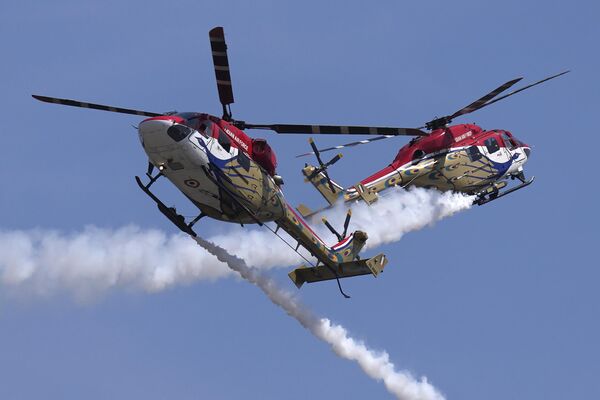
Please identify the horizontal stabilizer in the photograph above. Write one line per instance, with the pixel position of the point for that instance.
(304, 211)
(372, 266)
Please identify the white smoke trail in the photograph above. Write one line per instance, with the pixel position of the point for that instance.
(94, 260)
(89, 262)
(396, 213)
(400, 211)
(376, 365)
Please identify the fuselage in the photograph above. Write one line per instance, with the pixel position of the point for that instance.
(225, 173)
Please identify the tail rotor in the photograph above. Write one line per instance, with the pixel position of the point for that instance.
(323, 166)
(346, 224)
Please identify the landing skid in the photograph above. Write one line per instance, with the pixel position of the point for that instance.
(483, 199)
(169, 212)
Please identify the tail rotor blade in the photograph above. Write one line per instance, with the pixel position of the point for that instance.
(333, 160)
(315, 151)
(76, 103)
(347, 222)
(332, 229)
(329, 181)
(221, 64)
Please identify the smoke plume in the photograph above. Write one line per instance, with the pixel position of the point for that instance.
(376, 365)
(94, 260)
(399, 211)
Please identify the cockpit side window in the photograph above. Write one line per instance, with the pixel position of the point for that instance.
(510, 144)
(492, 145)
(224, 140)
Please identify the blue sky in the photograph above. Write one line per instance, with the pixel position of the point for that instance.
(497, 302)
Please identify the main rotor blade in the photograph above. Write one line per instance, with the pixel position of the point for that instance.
(75, 103)
(523, 88)
(337, 129)
(477, 104)
(221, 64)
(347, 145)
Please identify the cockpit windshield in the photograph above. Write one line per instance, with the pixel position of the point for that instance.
(205, 128)
(199, 124)
(178, 132)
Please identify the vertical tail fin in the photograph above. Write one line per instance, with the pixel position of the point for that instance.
(349, 248)
(321, 183)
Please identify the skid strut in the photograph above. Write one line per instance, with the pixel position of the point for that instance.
(169, 212)
(494, 196)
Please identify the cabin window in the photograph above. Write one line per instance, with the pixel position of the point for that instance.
(244, 160)
(474, 153)
(178, 132)
(418, 154)
(224, 141)
(510, 144)
(492, 145)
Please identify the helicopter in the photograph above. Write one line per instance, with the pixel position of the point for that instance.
(462, 158)
(230, 176)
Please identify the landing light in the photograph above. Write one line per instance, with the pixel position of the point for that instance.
(161, 167)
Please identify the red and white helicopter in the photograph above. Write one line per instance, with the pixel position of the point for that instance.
(462, 158)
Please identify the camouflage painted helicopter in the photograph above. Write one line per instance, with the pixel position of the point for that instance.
(231, 177)
(463, 158)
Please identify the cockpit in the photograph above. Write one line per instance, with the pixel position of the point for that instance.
(258, 149)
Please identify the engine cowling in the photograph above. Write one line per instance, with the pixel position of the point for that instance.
(264, 155)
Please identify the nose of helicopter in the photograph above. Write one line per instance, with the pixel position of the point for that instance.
(162, 131)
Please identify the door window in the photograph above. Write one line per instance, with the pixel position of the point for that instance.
(492, 145)
(224, 141)
(473, 153)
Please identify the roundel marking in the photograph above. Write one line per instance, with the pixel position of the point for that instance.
(191, 183)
